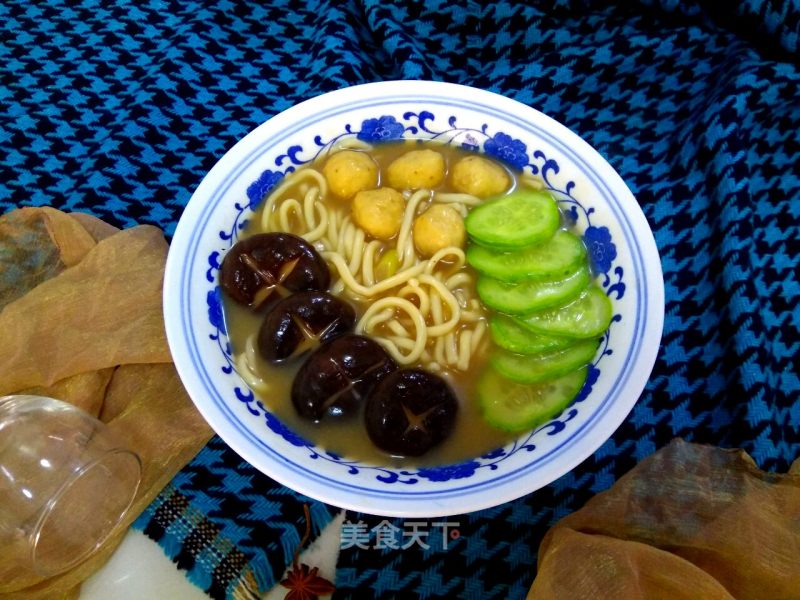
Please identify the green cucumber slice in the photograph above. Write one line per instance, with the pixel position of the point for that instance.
(518, 407)
(532, 295)
(508, 334)
(588, 316)
(553, 259)
(522, 218)
(532, 368)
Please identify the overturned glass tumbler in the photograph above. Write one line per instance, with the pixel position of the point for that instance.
(66, 483)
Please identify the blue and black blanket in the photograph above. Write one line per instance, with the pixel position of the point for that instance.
(120, 108)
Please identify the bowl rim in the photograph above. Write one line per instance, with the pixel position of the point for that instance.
(459, 499)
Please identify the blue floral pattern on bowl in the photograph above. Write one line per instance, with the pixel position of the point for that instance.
(383, 129)
(420, 125)
(507, 149)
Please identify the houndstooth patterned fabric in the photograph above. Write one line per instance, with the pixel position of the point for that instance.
(119, 109)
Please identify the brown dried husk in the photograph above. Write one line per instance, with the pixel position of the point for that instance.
(81, 321)
(691, 521)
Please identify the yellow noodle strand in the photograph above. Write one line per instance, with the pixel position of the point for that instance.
(460, 279)
(397, 328)
(469, 316)
(450, 352)
(363, 326)
(466, 199)
(245, 364)
(531, 182)
(436, 309)
(478, 333)
(350, 143)
(317, 233)
(287, 183)
(368, 267)
(308, 207)
(455, 310)
(464, 350)
(439, 257)
(356, 247)
(405, 245)
(423, 298)
(287, 208)
(381, 286)
(381, 317)
(438, 351)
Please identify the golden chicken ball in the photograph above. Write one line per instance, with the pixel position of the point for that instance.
(349, 172)
(416, 170)
(479, 177)
(440, 226)
(379, 212)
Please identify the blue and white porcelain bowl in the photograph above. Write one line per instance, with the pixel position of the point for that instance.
(590, 192)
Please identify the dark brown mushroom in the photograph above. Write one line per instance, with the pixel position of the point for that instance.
(302, 322)
(270, 265)
(337, 377)
(410, 411)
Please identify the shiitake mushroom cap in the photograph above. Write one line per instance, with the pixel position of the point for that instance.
(410, 411)
(337, 377)
(302, 322)
(269, 265)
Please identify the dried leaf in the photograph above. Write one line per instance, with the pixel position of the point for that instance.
(722, 525)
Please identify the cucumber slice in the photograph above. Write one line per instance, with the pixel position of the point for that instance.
(507, 334)
(588, 316)
(526, 368)
(518, 407)
(553, 259)
(532, 295)
(522, 218)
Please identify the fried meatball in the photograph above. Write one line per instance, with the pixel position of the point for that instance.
(349, 172)
(480, 177)
(379, 212)
(416, 170)
(440, 226)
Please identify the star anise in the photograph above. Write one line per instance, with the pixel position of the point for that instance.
(302, 581)
(305, 584)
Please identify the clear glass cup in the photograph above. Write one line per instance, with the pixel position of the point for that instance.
(65, 483)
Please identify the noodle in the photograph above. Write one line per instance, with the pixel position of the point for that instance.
(443, 295)
(349, 143)
(363, 326)
(464, 199)
(405, 246)
(369, 261)
(288, 182)
(531, 181)
(424, 312)
(289, 207)
(382, 286)
(245, 366)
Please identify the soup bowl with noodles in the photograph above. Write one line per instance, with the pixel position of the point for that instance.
(413, 299)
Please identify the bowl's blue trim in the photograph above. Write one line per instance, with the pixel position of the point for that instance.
(640, 277)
